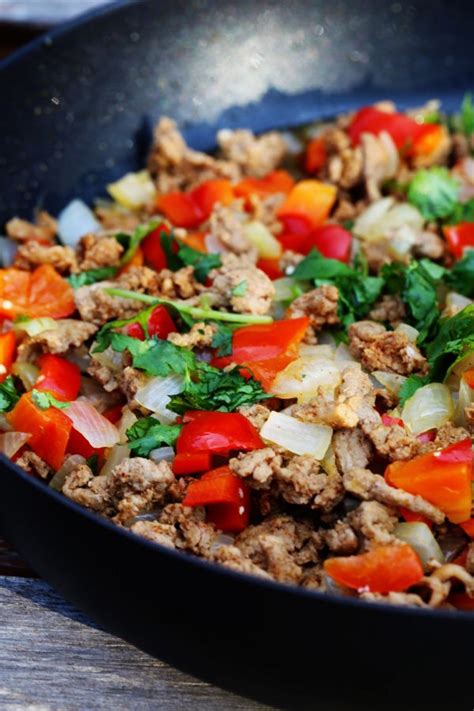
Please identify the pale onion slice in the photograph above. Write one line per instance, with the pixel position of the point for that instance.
(384, 218)
(304, 377)
(430, 407)
(8, 250)
(410, 332)
(286, 289)
(296, 436)
(366, 223)
(27, 372)
(74, 221)
(156, 394)
(418, 535)
(267, 246)
(162, 453)
(455, 302)
(465, 399)
(93, 426)
(392, 381)
(34, 326)
(113, 360)
(133, 190)
(117, 455)
(400, 241)
(126, 421)
(12, 442)
(343, 355)
(70, 463)
(317, 351)
(400, 215)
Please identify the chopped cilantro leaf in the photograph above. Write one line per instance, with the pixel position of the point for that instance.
(434, 192)
(148, 434)
(410, 386)
(44, 400)
(168, 245)
(461, 276)
(222, 339)
(202, 263)
(462, 212)
(9, 395)
(138, 236)
(154, 356)
(91, 276)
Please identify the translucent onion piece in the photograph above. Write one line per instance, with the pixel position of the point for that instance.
(117, 455)
(111, 359)
(214, 245)
(223, 539)
(392, 381)
(12, 442)
(96, 429)
(8, 250)
(410, 332)
(343, 354)
(287, 289)
(296, 436)
(304, 377)
(465, 398)
(455, 302)
(400, 241)
(391, 153)
(134, 190)
(74, 221)
(366, 223)
(383, 218)
(126, 421)
(418, 535)
(267, 246)
(400, 215)
(162, 453)
(34, 326)
(430, 407)
(69, 464)
(319, 351)
(466, 363)
(27, 372)
(155, 395)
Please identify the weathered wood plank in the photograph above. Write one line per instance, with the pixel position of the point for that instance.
(53, 659)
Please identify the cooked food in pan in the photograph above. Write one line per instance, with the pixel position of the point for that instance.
(263, 357)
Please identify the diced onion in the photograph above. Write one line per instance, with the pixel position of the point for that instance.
(126, 421)
(110, 359)
(418, 535)
(366, 223)
(93, 426)
(287, 289)
(304, 376)
(34, 326)
(12, 442)
(27, 372)
(296, 436)
(162, 453)
(392, 381)
(117, 455)
(410, 332)
(319, 351)
(430, 407)
(69, 464)
(343, 354)
(155, 396)
(465, 399)
(455, 302)
(267, 246)
(384, 218)
(8, 250)
(74, 221)
(400, 241)
(134, 190)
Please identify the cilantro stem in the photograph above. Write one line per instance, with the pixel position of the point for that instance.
(195, 312)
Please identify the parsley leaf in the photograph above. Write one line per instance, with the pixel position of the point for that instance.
(202, 263)
(138, 236)
(44, 400)
(462, 212)
(214, 389)
(222, 339)
(91, 276)
(168, 243)
(155, 356)
(410, 386)
(455, 337)
(9, 395)
(461, 276)
(434, 192)
(148, 434)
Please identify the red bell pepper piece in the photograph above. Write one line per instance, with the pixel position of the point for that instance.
(218, 433)
(279, 181)
(271, 267)
(206, 195)
(459, 237)
(160, 324)
(226, 497)
(310, 200)
(49, 429)
(191, 463)
(77, 444)
(391, 568)
(414, 517)
(59, 376)
(468, 527)
(315, 156)
(7, 353)
(180, 209)
(333, 241)
(42, 292)
(404, 131)
(153, 252)
(443, 478)
(113, 414)
(389, 421)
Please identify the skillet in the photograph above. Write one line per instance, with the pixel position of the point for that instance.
(77, 111)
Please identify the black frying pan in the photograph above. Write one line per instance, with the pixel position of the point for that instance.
(77, 108)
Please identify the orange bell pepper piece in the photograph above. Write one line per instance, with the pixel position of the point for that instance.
(180, 209)
(42, 292)
(138, 260)
(49, 429)
(391, 568)
(429, 140)
(468, 377)
(310, 200)
(315, 156)
(443, 478)
(468, 527)
(206, 195)
(414, 517)
(7, 353)
(279, 181)
(195, 240)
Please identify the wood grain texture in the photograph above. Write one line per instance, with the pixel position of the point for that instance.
(52, 658)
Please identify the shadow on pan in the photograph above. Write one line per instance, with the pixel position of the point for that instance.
(77, 111)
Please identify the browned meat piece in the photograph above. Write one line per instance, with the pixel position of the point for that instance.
(178, 285)
(32, 464)
(289, 260)
(345, 163)
(256, 156)
(264, 210)
(193, 533)
(245, 289)
(390, 309)
(257, 467)
(375, 522)
(32, 254)
(366, 485)
(341, 539)
(140, 279)
(97, 251)
(44, 230)
(200, 336)
(95, 306)
(439, 583)
(394, 442)
(380, 161)
(469, 415)
(257, 414)
(174, 166)
(114, 217)
(103, 375)
(226, 224)
(394, 598)
(352, 449)
(428, 244)
(232, 557)
(319, 304)
(136, 485)
(446, 435)
(69, 333)
(377, 254)
(156, 532)
(378, 349)
(130, 380)
(88, 490)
